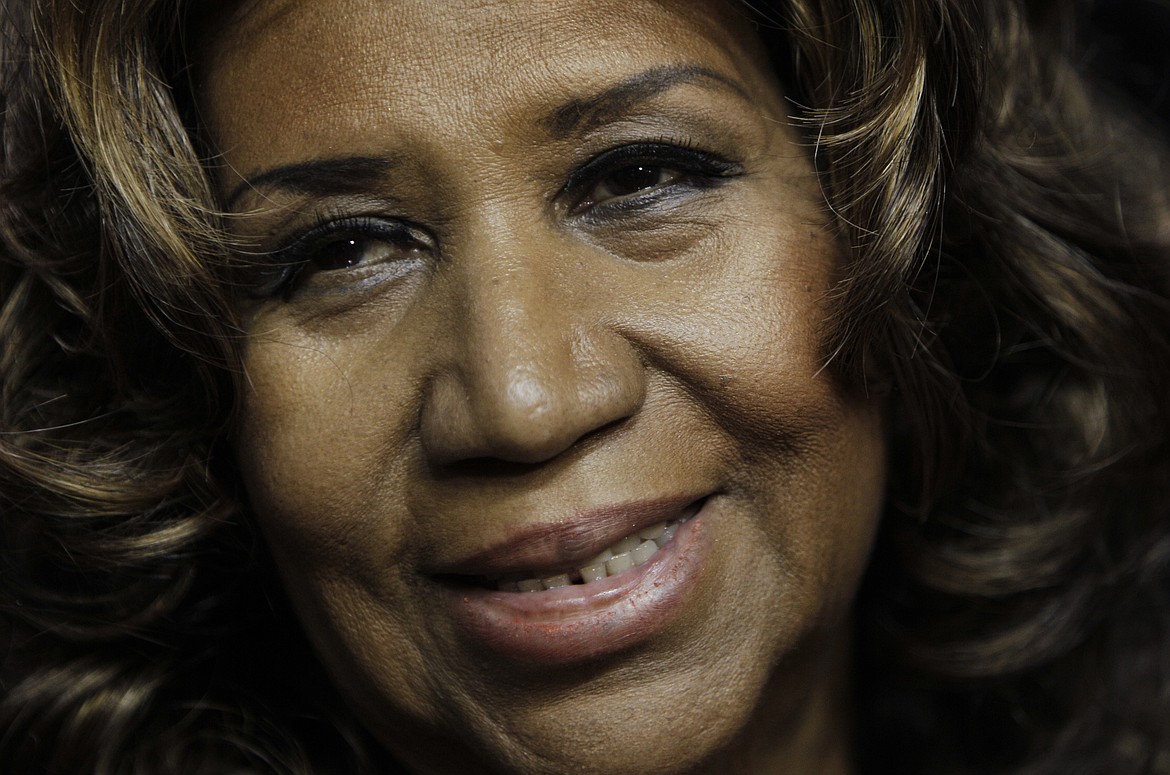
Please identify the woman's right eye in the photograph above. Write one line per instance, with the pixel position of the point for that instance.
(366, 244)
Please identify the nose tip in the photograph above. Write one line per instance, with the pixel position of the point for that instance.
(530, 409)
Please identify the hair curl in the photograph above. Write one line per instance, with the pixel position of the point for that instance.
(1007, 284)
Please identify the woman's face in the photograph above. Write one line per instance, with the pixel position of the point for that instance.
(543, 275)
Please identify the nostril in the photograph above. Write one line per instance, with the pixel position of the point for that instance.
(491, 467)
(496, 466)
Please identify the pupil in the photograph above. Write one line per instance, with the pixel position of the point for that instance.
(341, 254)
(633, 179)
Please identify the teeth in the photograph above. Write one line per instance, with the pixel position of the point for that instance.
(643, 552)
(626, 544)
(619, 563)
(593, 572)
(635, 549)
(561, 580)
(653, 533)
(600, 559)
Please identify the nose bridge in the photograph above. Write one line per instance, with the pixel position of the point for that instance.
(518, 361)
(536, 369)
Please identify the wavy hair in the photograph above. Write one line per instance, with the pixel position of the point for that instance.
(1006, 287)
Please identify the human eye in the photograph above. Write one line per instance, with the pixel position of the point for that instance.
(641, 175)
(353, 249)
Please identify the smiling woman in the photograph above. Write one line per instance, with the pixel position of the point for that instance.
(555, 386)
(473, 366)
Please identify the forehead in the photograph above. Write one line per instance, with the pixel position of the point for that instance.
(338, 73)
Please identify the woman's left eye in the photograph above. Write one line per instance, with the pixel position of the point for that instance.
(642, 174)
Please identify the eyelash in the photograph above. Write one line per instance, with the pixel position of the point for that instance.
(697, 169)
(286, 268)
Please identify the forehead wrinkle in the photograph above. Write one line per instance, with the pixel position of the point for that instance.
(506, 96)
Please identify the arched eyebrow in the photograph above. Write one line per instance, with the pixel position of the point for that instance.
(580, 115)
(356, 174)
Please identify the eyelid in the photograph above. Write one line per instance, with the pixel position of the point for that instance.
(697, 163)
(286, 263)
(368, 225)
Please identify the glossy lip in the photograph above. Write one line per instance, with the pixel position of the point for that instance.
(588, 621)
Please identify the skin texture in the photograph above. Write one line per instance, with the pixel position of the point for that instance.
(542, 344)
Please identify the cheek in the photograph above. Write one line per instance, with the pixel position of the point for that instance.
(817, 494)
(322, 472)
(831, 505)
(810, 457)
(314, 457)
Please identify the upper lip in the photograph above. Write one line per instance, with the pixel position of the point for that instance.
(559, 546)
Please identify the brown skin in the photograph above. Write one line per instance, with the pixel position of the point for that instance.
(535, 350)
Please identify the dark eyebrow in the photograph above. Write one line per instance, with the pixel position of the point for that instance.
(581, 115)
(355, 174)
(320, 177)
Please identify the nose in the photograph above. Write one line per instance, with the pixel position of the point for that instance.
(535, 368)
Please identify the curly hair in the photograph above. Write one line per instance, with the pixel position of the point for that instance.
(1007, 285)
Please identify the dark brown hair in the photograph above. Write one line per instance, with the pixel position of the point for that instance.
(1006, 287)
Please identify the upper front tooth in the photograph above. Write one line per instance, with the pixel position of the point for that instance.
(652, 533)
(626, 544)
(643, 552)
(619, 563)
(601, 558)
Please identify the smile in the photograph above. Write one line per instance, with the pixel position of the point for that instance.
(588, 606)
(633, 550)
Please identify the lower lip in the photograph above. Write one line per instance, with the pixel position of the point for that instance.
(588, 621)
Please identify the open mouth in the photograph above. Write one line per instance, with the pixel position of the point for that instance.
(586, 601)
(631, 551)
(635, 549)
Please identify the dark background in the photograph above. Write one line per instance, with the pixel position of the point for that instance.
(1127, 46)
